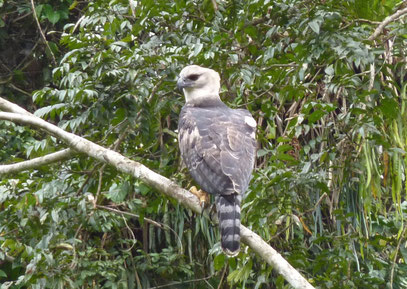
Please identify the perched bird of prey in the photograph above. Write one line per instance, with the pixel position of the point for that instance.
(218, 146)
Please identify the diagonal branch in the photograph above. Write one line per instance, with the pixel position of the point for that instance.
(386, 21)
(162, 184)
(110, 157)
(6, 105)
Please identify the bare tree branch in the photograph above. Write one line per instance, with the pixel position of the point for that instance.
(6, 105)
(37, 162)
(162, 184)
(386, 21)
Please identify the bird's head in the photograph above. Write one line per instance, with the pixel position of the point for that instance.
(198, 83)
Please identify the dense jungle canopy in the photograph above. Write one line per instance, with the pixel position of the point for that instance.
(325, 80)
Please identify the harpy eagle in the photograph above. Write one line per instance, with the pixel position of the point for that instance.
(218, 146)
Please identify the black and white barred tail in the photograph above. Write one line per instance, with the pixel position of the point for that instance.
(228, 207)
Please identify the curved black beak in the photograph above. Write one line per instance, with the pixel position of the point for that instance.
(181, 83)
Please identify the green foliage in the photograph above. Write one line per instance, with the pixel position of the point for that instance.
(329, 187)
(26, 59)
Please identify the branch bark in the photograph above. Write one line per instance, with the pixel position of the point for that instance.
(385, 22)
(6, 105)
(37, 162)
(160, 183)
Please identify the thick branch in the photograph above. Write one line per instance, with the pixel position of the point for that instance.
(6, 105)
(385, 22)
(37, 162)
(163, 185)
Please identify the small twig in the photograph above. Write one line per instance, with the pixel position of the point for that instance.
(324, 195)
(215, 5)
(19, 89)
(86, 181)
(280, 65)
(209, 284)
(315, 75)
(157, 224)
(379, 29)
(75, 256)
(6, 68)
(223, 276)
(359, 20)
(24, 63)
(21, 17)
(42, 33)
(154, 90)
(182, 282)
(368, 21)
(131, 233)
(100, 182)
(277, 234)
(7, 79)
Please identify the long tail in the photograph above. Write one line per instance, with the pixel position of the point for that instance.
(228, 207)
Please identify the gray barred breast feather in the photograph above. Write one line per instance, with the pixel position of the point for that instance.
(218, 146)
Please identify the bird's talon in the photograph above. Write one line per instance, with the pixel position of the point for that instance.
(202, 196)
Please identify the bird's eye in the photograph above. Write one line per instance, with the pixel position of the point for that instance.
(193, 77)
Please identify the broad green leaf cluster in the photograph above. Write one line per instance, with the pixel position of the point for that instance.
(329, 188)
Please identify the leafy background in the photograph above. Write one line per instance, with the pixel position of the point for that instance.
(329, 187)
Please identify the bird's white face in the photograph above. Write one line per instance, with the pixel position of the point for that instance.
(198, 83)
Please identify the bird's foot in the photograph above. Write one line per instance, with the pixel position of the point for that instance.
(202, 196)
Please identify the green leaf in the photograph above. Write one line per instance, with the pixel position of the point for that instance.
(219, 262)
(314, 25)
(50, 14)
(117, 193)
(241, 274)
(261, 152)
(315, 116)
(119, 116)
(389, 108)
(329, 70)
(284, 148)
(197, 48)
